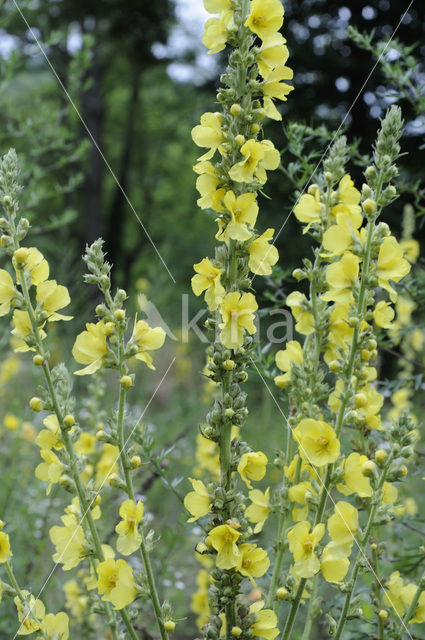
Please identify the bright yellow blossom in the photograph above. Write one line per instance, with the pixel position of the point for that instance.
(223, 538)
(317, 442)
(259, 509)
(51, 297)
(355, 481)
(252, 466)
(31, 613)
(5, 552)
(208, 134)
(285, 358)
(258, 157)
(50, 438)
(302, 544)
(262, 254)
(200, 602)
(207, 183)
(419, 616)
(198, 501)
(90, 348)
(70, 542)
(344, 523)
(334, 565)
(348, 201)
(215, 36)
(383, 314)
(11, 422)
(391, 265)
(272, 53)
(36, 265)
(22, 329)
(308, 209)
(50, 470)
(244, 211)
(129, 538)
(116, 583)
(237, 312)
(304, 319)
(207, 279)
(56, 626)
(341, 276)
(265, 18)
(7, 291)
(265, 625)
(254, 561)
(147, 339)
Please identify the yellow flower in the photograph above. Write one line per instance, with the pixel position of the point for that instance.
(70, 542)
(198, 501)
(419, 616)
(272, 53)
(252, 466)
(355, 481)
(262, 254)
(116, 583)
(317, 442)
(7, 291)
(389, 493)
(244, 211)
(304, 319)
(237, 312)
(391, 265)
(344, 523)
(207, 279)
(309, 209)
(36, 265)
(56, 626)
(22, 329)
(5, 552)
(265, 625)
(208, 134)
(254, 561)
(298, 493)
(207, 183)
(341, 276)
(397, 594)
(147, 339)
(411, 249)
(51, 297)
(31, 613)
(259, 509)
(258, 157)
(348, 201)
(383, 314)
(334, 564)
(85, 444)
(207, 456)
(50, 438)
(302, 544)
(223, 538)
(129, 538)
(215, 36)
(10, 421)
(50, 470)
(285, 358)
(90, 348)
(265, 18)
(200, 602)
(273, 88)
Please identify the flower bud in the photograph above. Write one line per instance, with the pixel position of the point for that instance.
(126, 382)
(38, 360)
(381, 455)
(114, 480)
(119, 314)
(235, 109)
(368, 467)
(282, 593)
(239, 139)
(100, 310)
(36, 404)
(229, 365)
(21, 255)
(135, 461)
(383, 614)
(69, 421)
(369, 206)
(229, 413)
(109, 328)
(100, 435)
(255, 128)
(360, 400)
(236, 631)
(169, 625)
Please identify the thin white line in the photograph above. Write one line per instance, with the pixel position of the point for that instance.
(333, 501)
(336, 133)
(99, 489)
(92, 138)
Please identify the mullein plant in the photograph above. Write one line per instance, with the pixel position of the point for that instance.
(342, 460)
(35, 300)
(232, 172)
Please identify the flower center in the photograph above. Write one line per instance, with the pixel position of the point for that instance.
(322, 442)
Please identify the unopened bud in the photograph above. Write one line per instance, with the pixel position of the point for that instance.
(381, 455)
(119, 314)
(135, 461)
(255, 128)
(69, 421)
(229, 365)
(236, 631)
(239, 139)
(360, 400)
(126, 382)
(169, 625)
(38, 360)
(298, 274)
(282, 593)
(383, 614)
(368, 467)
(235, 109)
(21, 255)
(36, 404)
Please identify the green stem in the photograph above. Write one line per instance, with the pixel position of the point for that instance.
(293, 610)
(310, 610)
(13, 580)
(362, 546)
(130, 491)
